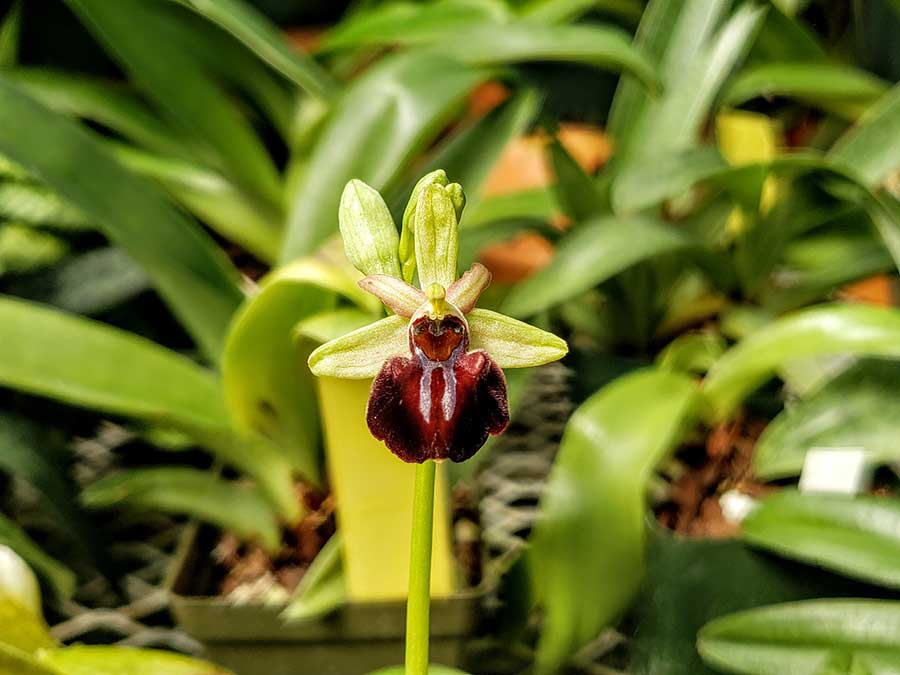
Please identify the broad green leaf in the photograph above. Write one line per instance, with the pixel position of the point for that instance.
(605, 47)
(178, 83)
(331, 324)
(57, 576)
(24, 249)
(870, 150)
(91, 660)
(240, 508)
(29, 452)
(322, 588)
(22, 628)
(89, 284)
(187, 268)
(512, 343)
(268, 387)
(16, 662)
(691, 352)
(90, 364)
(670, 35)
(823, 330)
(848, 411)
(587, 551)
(411, 23)
(234, 214)
(559, 11)
(858, 536)
(468, 155)
(105, 102)
(37, 205)
(576, 192)
(645, 184)
(264, 39)
(10, 32)
(692, 76)
(597, 250)
(380, 122)
(821, 83)
(362, 353)
(538, 204)
(802, 637)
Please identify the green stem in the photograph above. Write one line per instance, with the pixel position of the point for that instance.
(419, 602)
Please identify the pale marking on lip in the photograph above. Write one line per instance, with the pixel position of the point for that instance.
(448, 400)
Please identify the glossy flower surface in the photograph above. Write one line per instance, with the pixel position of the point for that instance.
(439, 389)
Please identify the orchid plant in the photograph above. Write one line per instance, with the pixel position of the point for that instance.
(437, 361)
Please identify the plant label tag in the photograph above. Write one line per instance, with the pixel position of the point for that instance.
(843, 471)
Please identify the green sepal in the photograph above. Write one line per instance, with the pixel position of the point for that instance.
(407, 247)
(437, 234)
(513, 343)
(368, 230)
(362, 353)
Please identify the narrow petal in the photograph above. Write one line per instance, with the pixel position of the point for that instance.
(513, 343)
(361, 354)
(368, 230)
(436, 234)
(465, 291)
(395, 293)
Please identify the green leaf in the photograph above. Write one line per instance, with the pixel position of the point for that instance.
(597, 250)
(16, 662)
(362, 353)
(821, 83)
(468, 155)
(56, 575)
(240, 508)
(691, 352)
(801, 637)
(827, 329)
(22, 628)
(605, 47)
(576, 192)
(268, 387)
(190, 272)
(870, 150)
(380, 122)
(695, 63)
(368, 231)
(89, 364)
(10, 31)
(512, 343)
(322, 588)
(24, 249)
(410, 23)
(89, 660)
(857, 536)
(645, 184)
(538, 204)
(91, 283)
(264, 39)
(35, 204)
(848, 411)
(178, 83)
(103, 102)
(587, 551)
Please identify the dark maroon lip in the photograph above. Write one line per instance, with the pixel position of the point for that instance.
(441, 402)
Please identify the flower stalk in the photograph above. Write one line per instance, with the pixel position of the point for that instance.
(418, 604)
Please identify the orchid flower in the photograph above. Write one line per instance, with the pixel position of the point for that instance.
(437, 360)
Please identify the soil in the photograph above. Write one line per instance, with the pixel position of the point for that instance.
(719, 464)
